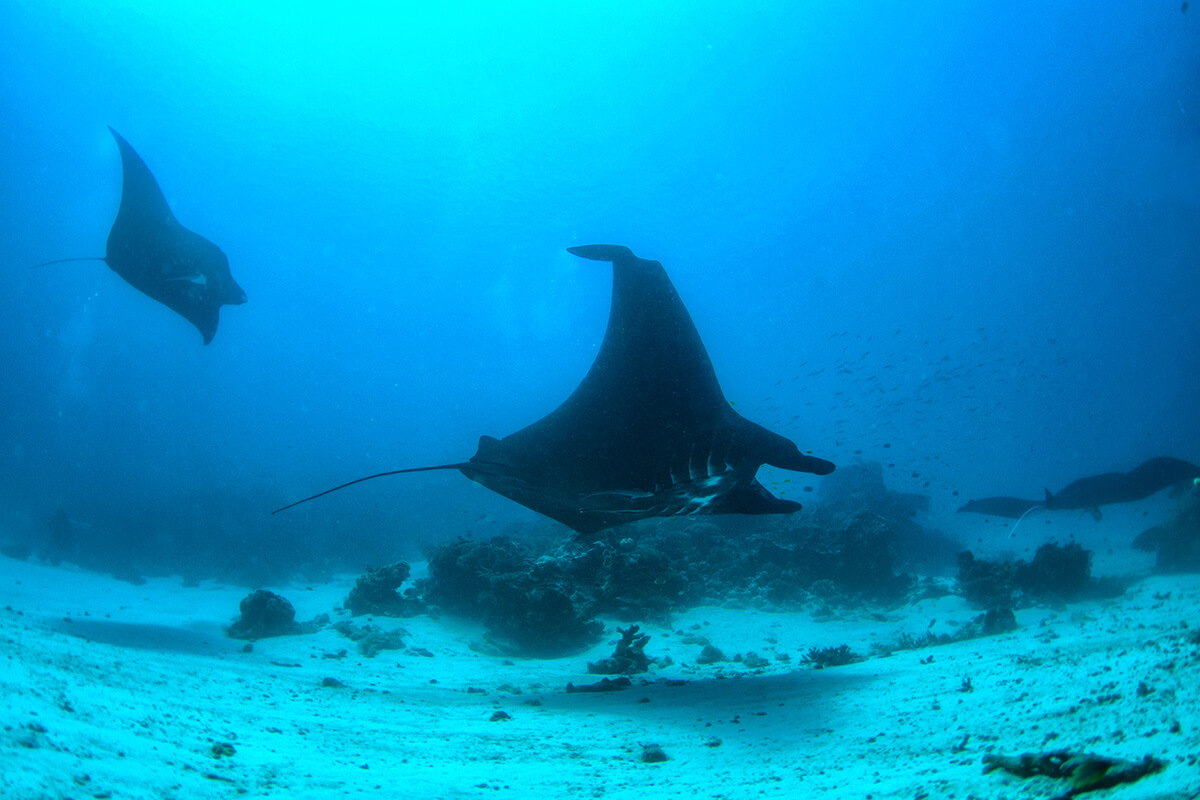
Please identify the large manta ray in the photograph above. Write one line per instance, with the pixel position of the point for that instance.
(648, 433)
(1095, 490)
(159, 257)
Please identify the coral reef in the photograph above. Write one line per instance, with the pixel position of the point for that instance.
(539, 596)
(1177, 541)
(377, 593)
(265, 614)
(1063, 571)
(836, 557)
(517, 597)
(831, 657)
(1058, 573)
(860, 487)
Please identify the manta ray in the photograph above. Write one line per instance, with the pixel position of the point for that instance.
(159, 257)
(648, 433)
(1095, 490)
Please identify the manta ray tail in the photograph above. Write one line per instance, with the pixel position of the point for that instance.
(65, 260)
(367, 478)
(1012, 534)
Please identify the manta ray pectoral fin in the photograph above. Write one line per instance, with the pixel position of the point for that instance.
(1049, 500)
(204, 317)
(602, 252)
(1008, 507)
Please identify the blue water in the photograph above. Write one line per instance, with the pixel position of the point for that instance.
(963, 239)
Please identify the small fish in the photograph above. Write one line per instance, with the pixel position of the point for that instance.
(1089, 771)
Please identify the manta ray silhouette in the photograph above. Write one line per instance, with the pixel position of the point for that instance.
(1095, 490)
(159, 257)
(648, 433)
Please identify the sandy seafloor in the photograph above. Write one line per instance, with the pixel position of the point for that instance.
(113, 690)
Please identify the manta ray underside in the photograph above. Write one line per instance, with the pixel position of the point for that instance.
(159, 257)
(648, 433)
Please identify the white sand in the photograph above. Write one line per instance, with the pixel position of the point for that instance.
(127, 699)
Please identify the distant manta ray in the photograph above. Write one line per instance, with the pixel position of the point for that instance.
(159, 257)
(648, 433)
(1095, 490)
